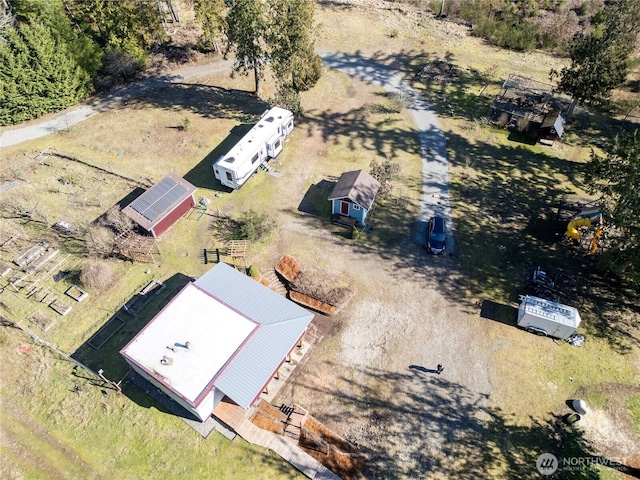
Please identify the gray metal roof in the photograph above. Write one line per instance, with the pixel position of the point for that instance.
(281, 323)
(358, 186)
(154, 204)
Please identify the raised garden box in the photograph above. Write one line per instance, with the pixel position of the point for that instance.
(76, 293)
(288, 268)
(312, 303)
(60, 307)
(41, 320)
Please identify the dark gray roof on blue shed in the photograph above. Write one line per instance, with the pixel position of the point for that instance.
(357, 186)
(157, 202)
(281, 323)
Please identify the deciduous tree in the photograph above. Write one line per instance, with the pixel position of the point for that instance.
(210, 14)
(126, 27)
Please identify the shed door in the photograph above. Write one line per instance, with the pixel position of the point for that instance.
(344, 208)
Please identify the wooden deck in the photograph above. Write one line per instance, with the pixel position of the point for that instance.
(236, 418)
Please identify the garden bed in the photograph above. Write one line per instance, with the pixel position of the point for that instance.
(76, 293)
(60, 307)
(312, 303)
(333, 451)
(41, 320)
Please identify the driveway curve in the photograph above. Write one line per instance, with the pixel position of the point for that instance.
(433, 152)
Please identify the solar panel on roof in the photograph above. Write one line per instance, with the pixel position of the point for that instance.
(159, 198)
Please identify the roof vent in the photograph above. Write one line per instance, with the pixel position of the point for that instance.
(166, 360)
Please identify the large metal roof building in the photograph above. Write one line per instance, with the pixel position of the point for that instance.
(223, 335)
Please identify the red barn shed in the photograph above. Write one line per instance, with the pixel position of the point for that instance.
(162, 205)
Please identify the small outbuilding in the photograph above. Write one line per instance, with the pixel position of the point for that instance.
(162, 205)
(353, 195)
(223, 335)
(552, 127)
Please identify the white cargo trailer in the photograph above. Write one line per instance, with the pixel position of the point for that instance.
(544, 317)
(262, 142)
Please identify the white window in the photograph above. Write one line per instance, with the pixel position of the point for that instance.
(356, 207)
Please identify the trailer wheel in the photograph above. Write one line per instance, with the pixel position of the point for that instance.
(537, 331)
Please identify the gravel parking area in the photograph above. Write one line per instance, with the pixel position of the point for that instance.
(373, 378)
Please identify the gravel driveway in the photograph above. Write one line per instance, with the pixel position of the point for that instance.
(373, 379)
(435, 168)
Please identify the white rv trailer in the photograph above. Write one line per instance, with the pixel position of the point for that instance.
(262, 142)
(543, 317)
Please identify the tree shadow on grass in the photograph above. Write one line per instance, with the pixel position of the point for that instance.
(415, 424)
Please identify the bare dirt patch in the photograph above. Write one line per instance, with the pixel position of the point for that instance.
(611, 431)
(360, 382)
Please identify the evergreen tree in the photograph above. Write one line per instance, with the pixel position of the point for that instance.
(37, 74)
(293, 59)
(599, 61)
(51, 13)
(246, 29)
(617, 178)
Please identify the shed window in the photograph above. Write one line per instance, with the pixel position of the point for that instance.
(356, 207)
(255, 158)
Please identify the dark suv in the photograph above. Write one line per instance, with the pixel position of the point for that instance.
(437, 236)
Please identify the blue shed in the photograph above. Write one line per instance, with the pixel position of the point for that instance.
(353, 195)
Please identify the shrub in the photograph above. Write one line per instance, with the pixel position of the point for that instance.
(100, 242)
(97, 275)
(70, 179)
(117, 221)
(255, 226)
(385, 173)
(254, 272)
